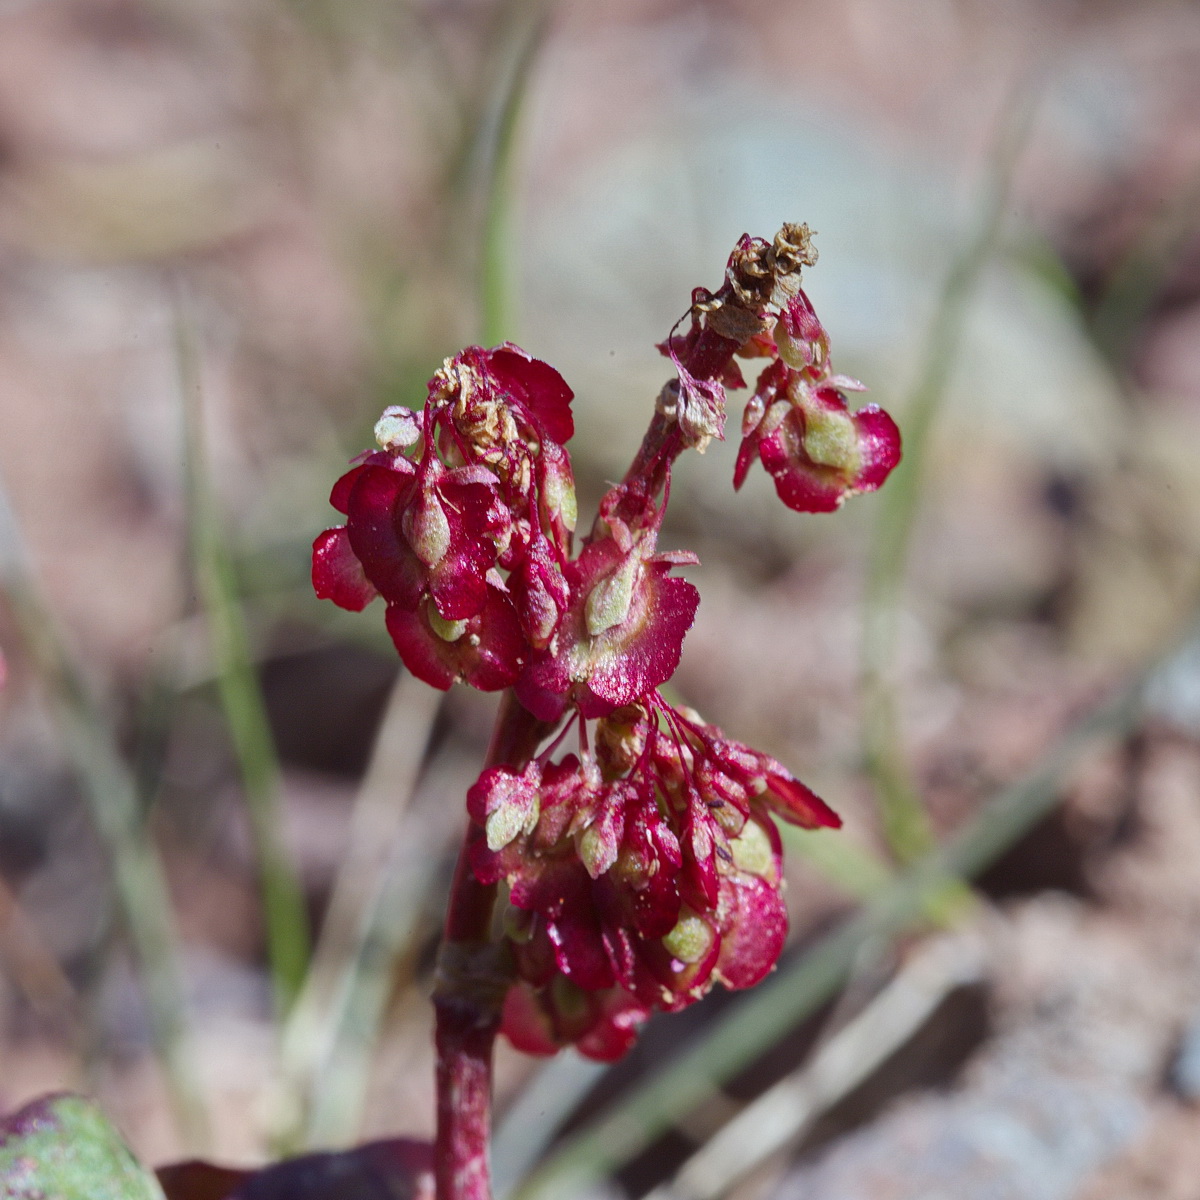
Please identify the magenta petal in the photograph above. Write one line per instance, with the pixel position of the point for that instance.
(812, 487)
(616, 1028)
(562, 894)
(648, 894)
(526, 1024)
(457, 594)
(804, 491)
(492, 648)
(498, 787)
(636, 657)
(579, 949)
(687, 981)
(616, 666)
(656, 907)
(747, 452)
(878, 444)
(503, 801)
(753, 930)
(340, 496)
(540, 591)
(337, 574)
(601, 840)
(489, 866)
(543, 391)
(487, 655)
(618, 943)
(647, 908)
(538, 690)
(799, 804)
(458, 583)
(800, 483)
(699, 881)
(373, 514)
(420, 648)
(535, 958)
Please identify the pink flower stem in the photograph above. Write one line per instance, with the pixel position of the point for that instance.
(706, 359)
(472, 978)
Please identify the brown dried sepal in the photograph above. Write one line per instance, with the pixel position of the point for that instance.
(761, 278)
(731, 319)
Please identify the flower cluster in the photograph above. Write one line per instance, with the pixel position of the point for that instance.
(462, 522)
(645, 868)
(640, 873)
(797, 421)
(799, 425)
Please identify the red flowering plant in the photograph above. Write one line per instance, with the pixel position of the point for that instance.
(598, 886)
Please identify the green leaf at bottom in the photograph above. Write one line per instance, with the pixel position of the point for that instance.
(62, 1147)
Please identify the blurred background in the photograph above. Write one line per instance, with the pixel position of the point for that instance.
(230, 233)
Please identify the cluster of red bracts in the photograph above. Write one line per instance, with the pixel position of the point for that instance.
(799, 425)
(639, 874)
(645, 869)
(462, 522)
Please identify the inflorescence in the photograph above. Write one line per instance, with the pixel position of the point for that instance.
(645, 865)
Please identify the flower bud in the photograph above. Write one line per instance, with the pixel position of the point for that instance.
(800, 336)
(558, 487)
(691, 939)
(448, 631)
(621, 738)
(427, 528)
(608, 603)
(830, 438)
(752, 851)
(398, 428)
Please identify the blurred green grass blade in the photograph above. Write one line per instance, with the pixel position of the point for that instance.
(758, 1021)
(389, 927)
(109, 789)
(497, 283)
(332, 1029)
(241, 697)
(847, 864)
(902, 813)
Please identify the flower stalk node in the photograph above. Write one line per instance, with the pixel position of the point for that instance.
(473, 977)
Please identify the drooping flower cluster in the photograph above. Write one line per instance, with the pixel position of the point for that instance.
(799, 425)
(640, 873)
(644, 869)
(797, 422)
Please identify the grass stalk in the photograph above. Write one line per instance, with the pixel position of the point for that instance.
(329, 1034)
(241, 696)
(111, 794)
(498, 136)
(524, 1132)
(902, 813)
(848, 865)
